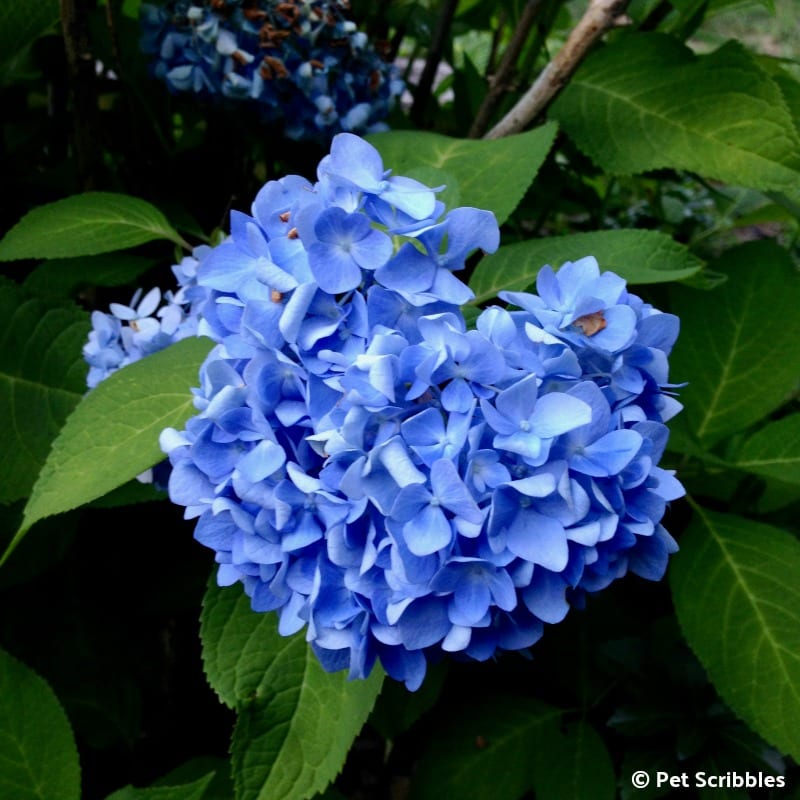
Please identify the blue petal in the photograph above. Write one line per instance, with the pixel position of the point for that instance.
(557, 413)
(450, 491)
(470, 600)
(428, 532)
(373, 250)
(262, 461)
(609, 455)
(424, 623)
(334, 270)
(538, 539)
(356, 160)
(546, 596)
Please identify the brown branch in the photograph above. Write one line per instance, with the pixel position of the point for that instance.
(600, 16)
(499, 83)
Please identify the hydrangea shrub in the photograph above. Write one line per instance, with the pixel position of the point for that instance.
(303, 65)
(409, 446)
(396, 484)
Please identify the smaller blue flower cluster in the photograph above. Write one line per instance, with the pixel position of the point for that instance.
(395, 483)
(299, 62)
(147, 325)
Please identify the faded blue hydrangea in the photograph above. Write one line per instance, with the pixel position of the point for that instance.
(301, 63)
(382, 477)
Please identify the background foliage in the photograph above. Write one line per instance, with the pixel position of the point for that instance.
(672, 155)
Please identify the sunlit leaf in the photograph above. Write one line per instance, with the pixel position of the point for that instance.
(113, 433)
(86, 224)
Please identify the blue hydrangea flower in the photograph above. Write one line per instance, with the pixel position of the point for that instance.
(147, 325)
(389, 482)
(303, 65)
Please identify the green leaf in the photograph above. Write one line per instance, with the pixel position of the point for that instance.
(42, 378)
(774, 451)
(488, 747)
(187, 791)
(397, 709)
(221, 786)
(86, 224)
(490, 174)
(737, 596)
(738, 344)
(20, 25)
(638, 256)
(38, 757)
(647, 102)
(63, 276)
(112, 435)
(296, 721)
(579, 768)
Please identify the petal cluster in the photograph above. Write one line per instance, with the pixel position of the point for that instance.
(395, 484)
(301, 63)
(147, 325)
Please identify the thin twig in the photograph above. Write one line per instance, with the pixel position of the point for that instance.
(438, 41)
(499, 83)
(497, 37)
(600, 16)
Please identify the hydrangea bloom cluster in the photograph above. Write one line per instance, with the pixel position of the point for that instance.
(395, 483)
(301, 62)
(147, 325)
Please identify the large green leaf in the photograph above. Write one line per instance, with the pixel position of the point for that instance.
(186, 791)
(112, 435)
(296, 722)
(579, 768)
(488, 174)
(38, 757)
(774, 451)
(42, 378)
(638, 256)
(738, 347)
(736, 588)
(502, 747)
(647, 102)
(86, 224)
